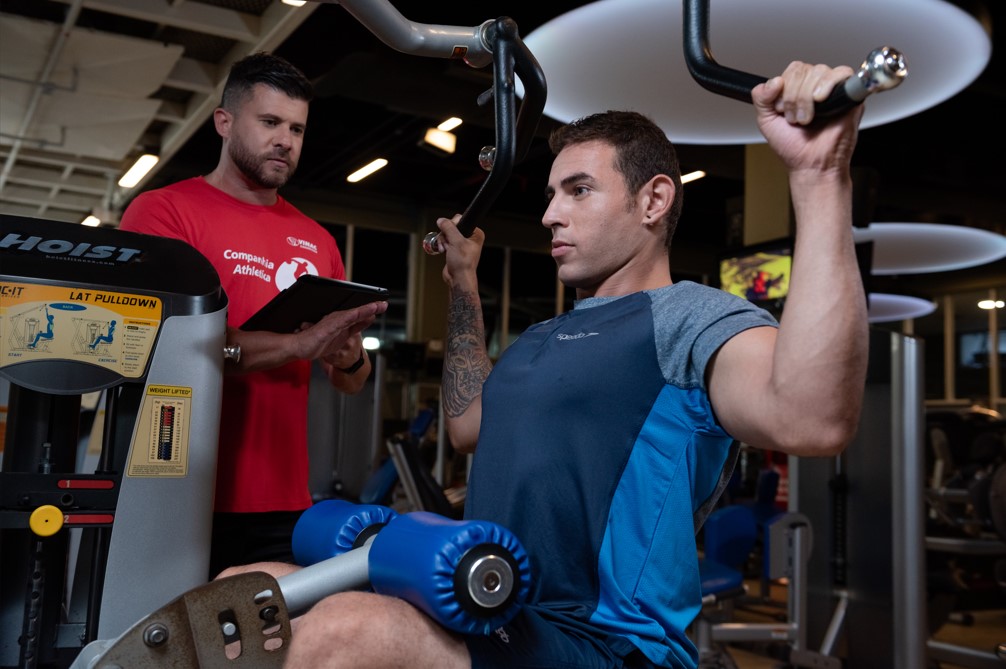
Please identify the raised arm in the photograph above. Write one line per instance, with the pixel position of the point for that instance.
(466, 360)
(800, 389)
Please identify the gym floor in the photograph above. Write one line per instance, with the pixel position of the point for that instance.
(985, 630)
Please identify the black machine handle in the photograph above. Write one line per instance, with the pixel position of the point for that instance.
(883, 69)
(514, 130)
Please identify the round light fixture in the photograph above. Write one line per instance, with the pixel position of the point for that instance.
(916, 248)
(629, 54)
(885, 308)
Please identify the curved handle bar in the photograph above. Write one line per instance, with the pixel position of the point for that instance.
(497, 41)
(513, 132)
(884, 68)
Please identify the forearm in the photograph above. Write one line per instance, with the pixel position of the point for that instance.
(259, 350)
(466, 364)
(819, 365)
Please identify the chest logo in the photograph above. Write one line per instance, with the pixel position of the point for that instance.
(578, 335)
(288, 272)
(302, 244)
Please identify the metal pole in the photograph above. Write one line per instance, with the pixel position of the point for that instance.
(907, 501)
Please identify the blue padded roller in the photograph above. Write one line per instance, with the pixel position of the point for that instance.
(333, 527)
(470, 576)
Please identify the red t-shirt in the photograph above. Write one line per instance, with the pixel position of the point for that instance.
(262, 463)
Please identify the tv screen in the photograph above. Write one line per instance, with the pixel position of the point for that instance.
(759, 273)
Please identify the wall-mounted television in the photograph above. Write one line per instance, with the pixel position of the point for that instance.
(759, 273)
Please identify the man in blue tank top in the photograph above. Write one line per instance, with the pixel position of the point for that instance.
(604, 436)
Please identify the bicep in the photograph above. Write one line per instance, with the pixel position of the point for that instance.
(463, 428)
(739, 380)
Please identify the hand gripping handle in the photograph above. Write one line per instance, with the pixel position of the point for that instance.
(883, 69)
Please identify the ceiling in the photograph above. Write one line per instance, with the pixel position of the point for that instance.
(87, 85)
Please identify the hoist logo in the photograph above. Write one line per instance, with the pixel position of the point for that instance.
(37, 244)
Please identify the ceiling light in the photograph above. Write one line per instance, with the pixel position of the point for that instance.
(139, 170)
(295, 3)
(366, 170)
(915, 248)
(450, 124)
(441, 139)
(692, 176)
(91, 221)
(991, 304)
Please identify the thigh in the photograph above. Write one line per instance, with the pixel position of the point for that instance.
(530, 641)
(371, 630)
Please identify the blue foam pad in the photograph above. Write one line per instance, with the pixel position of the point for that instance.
(416, 556)
(331, 528)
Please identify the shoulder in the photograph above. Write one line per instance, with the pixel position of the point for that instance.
(691, 322)
(165, 211)
(693, 305)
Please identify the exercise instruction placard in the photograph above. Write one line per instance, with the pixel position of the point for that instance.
(109, 329)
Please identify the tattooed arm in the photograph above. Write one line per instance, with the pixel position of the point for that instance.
(466, 360)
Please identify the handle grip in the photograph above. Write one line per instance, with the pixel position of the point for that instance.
(514, 130)
(883, 69)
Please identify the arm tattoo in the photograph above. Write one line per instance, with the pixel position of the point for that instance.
(466, 364)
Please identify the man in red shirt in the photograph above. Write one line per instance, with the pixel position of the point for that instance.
(259, 244)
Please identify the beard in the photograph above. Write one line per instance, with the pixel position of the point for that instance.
(256, 168)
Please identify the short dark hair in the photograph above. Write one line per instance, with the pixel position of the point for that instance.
(264, 68)
(642, 152)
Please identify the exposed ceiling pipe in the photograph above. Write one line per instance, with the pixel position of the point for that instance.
(54, 53)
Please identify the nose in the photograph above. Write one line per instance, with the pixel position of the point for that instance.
(283, 137)
(552, 218)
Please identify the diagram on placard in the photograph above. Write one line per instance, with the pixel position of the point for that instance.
(93, 336)
(32, 330)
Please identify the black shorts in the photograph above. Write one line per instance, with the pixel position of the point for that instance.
(244, 538)
(530, 641)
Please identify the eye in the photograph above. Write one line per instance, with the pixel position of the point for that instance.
(580, 190)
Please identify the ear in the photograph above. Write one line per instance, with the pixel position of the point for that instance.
(658, 196)
(222, 120)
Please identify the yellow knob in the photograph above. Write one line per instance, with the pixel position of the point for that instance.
(46, 520)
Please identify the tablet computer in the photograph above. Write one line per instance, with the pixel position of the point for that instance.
(310, 299)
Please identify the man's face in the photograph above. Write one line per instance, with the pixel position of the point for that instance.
(266, 134)
(595, 222)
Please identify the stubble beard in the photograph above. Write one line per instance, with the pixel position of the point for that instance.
(256, 169)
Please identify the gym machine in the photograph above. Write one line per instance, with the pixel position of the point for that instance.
(84, 310)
